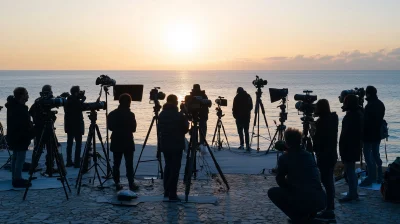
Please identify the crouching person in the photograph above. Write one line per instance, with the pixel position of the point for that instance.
(299, 195)
(172, 127)
(122, 123)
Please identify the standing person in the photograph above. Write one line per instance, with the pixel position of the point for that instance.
(122, 123)
(299, 195)
(373, 117)
(242, 106)
(74, 125)
(350, 143)
(196, 91)
(325, 148)
(172, 126)
(19, 133)
(38, 117)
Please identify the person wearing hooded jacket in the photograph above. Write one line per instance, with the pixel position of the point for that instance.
(350, 143)
(373, 117)
(325, 147)
(19, 133)
(172, 127)
(242, 106)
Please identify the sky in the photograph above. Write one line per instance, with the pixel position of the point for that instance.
(207, 34)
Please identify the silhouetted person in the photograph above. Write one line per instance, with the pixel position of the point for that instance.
(373, 117)
(19, 133)
(299, 195)
(325, 148)
(38, 116)
(242, 106)
(196, 91)
(172, 126)
(350, 143)
(122, 123)
(74, 125)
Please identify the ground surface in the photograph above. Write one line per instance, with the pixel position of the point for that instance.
(246, 202)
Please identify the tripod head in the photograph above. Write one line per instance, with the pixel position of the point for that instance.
(219, 112)
(92, 116)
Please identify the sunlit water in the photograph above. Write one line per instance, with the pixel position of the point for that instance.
(325, 84)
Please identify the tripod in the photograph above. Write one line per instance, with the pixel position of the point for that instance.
(160, 171)
(48, 138)
(190, 168)
(259, 104)
(306, 140)
(280, 129)
(90, 148)
(217, 132)
(3, 142)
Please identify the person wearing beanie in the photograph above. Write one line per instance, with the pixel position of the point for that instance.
(122, 123)
(242, 106)
(373, 117)
(172, 126)
(350, 143)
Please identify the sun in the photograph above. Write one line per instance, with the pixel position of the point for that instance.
(181, 39)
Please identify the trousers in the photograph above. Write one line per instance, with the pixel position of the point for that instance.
(243, 126)
(171, 172)
(78, 145)
(128, 164)
(352, 180)
(326, 169)
(17, 163)
(373, 160)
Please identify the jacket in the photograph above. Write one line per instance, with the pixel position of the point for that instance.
(73, 117)
(373, 117)
(20, 130)
(242, 106)
(326, 138)
(122, 123)
(172, 127)
(350, 143)
(204, 110)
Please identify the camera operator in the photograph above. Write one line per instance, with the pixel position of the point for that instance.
(373, 118)
(299, 195)
(324, 138)
(350, 143)
(242, 106)
(74, 125)
(122, 123)
(196, 91)
(38, 119)
(19, 133)
(172, 126)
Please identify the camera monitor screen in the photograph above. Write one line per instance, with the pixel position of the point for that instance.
(136, 91)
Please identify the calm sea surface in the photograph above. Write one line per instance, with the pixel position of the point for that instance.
(325, 84)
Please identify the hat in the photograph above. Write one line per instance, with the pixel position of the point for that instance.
(239, 90)
(196, 87)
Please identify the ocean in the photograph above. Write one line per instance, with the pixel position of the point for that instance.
(324, 84)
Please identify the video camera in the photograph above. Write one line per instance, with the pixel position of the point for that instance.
(221, 101)
(100, 105)
(156, 95)
(305, 103)
(48, 101)
(359, 92)
(259, 83)
(193, 104)
(105, 80)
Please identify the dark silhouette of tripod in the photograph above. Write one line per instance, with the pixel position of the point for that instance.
(90, 148)
(157, 108)
(217, 132)
(259, 105)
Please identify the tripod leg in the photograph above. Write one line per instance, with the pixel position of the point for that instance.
(35, 161)
(144, 145)
(96, 166)
(104, 151)
(85, 159)
(219, 135)
(223, 128)
(265, 118)
(190, 158)
(216, 164)
(255, 122)
(57, 158)
(215, 132)
(272, 141)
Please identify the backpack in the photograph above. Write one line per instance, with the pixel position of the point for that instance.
(390, 187)
(384, 130)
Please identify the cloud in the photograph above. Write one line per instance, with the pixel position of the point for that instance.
(383, 59)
